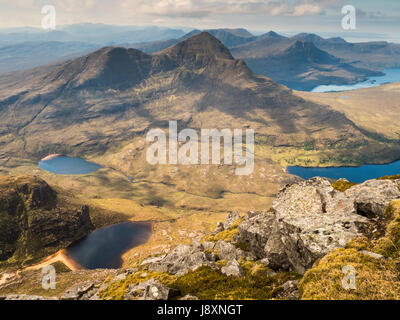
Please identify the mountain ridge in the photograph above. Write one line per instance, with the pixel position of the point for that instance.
(116, 93)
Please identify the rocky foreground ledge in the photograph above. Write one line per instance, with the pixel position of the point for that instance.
(295, 250)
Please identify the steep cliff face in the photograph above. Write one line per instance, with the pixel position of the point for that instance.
(34, 222)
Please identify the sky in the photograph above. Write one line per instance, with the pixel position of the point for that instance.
(378, 20)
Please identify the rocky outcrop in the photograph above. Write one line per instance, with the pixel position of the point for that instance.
(81, 292)
(255, 231)
(311, 218)
(233, 268)
(289, 290)
(150, 290)
(227, 251)
(230, 219)
(182, 259)
(372, 197)
(34, 222)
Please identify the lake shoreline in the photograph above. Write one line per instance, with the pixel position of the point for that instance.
(142, 237)
(65, 165)
(357, 174)
(52, 156)
(390, 76)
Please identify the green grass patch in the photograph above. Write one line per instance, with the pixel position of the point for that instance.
(389, 244)
(395, 177)
(375, 279)
(208, 284)
(226, 235)
(342, 185)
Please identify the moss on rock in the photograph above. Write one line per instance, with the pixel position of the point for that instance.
(209, 284)
(342, 185)
(116, 290)
(389, 244)
(375, 279)
(394, 177)
(226, 235)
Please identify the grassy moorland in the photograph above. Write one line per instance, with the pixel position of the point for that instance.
(377, 279)
(374, 109)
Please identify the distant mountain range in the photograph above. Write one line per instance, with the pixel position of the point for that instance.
(24, 48)
(27, 55)
(300, 62)
(303, 61)
(87, 105)
(100, 34)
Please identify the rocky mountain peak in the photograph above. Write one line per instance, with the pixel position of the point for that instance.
(307, 51)
(198, 50)
(110, 67)
(273, 34)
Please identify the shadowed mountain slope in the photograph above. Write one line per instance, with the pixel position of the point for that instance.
(298, 62)
(374, 54)
(104, 99)
(303, 66)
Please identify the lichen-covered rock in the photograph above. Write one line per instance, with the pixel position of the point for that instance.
(152, 260)
(220, 228)
(227, 251)
(373, 196)
(81, 292)
(189, 297)
(289, 290)
(34, 222)
(312, 219)
(255, 231)
(277, 258)
(182, 259)
(233, 268)
(230, 219)
(372, 254)
(208, 245)
(150, 290)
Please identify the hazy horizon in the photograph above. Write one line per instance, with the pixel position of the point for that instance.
(375, 21)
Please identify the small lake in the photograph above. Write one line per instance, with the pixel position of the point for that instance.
(68, 165)
(353, 174)
(392, 75)
(103, 248)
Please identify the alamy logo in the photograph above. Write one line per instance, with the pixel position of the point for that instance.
(49, 20)
(349, 280)
(49, 278)
(183, 147)
(349, 20)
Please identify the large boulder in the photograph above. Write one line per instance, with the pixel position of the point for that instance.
(150, 290)
(311, 218)
(227, 251)
(182, 259)
(255, 231)
(233, 268)
(231, 219)
(80, 292)
(373, 196)
(289, 290)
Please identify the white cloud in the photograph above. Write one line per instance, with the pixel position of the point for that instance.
(201, 8)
